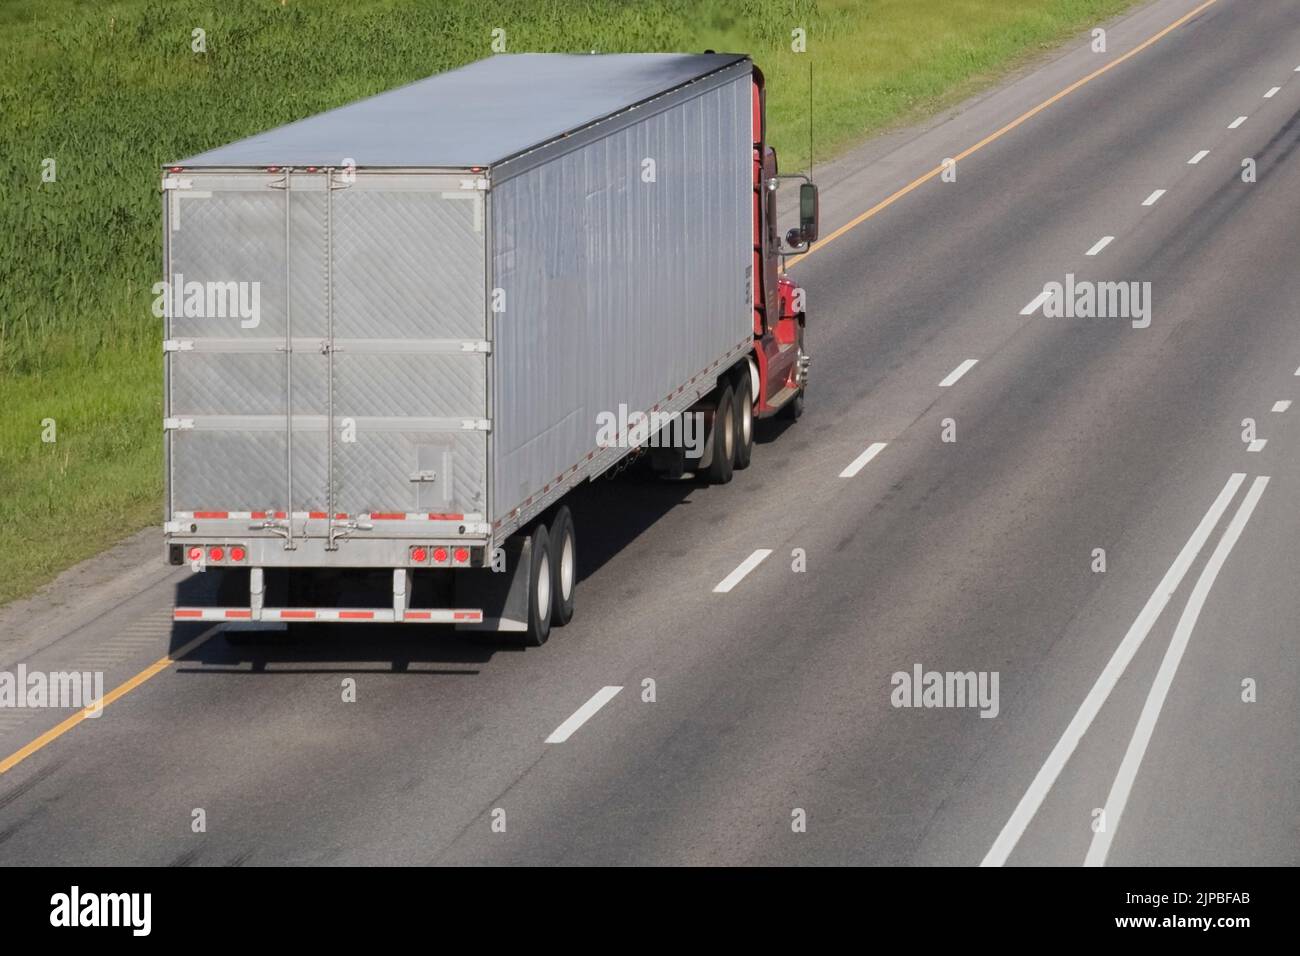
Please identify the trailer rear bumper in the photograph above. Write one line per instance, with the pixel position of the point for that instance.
(332, 614)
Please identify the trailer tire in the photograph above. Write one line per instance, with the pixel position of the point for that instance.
(564, 574)
(744, 420)
(724, 437)
(540, 591)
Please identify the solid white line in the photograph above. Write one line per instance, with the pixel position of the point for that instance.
(955, 374)
(1153, 198)
(1146, 725)
(1281, 406)
(1102, 243)
(735, 577)
(583, 714)
(1257, 445)
(1237, 122)
(874, 449)
(1042, 297)
(1272, 93)
(1110, 675)
(1198, 157)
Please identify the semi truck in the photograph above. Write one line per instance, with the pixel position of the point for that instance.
(399, 333)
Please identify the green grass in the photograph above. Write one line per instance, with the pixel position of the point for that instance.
(113, 91)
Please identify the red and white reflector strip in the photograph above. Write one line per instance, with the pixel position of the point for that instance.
(212, 614)
(409, 516)
(427, 616)
(289, 614)
(322, 515)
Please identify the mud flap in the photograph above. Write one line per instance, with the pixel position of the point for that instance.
(503, 595)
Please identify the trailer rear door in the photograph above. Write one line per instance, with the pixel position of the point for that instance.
(326, 347)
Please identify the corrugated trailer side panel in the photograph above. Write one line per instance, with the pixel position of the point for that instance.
(619, 287)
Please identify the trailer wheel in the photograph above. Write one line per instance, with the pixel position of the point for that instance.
(540, 590)
(744, 420)
(724, 437)
(564, 577)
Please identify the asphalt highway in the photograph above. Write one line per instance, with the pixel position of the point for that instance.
(1144, 714)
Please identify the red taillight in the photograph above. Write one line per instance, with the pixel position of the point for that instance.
(177, 169)
(419, 555)
(440, 555)
(237, 553)
(216, 554)
(461, 556)
(272, 169)
(196, 554)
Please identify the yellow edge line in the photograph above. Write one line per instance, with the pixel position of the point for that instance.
(921, 180)
(54, 733)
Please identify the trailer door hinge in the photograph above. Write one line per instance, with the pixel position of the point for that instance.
(176, 182)
(178, 345)
(481, 184)
(427, 474)
(476, 424)
(172, 424)
(480, 346)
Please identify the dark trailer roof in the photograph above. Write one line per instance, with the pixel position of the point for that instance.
(477, 115)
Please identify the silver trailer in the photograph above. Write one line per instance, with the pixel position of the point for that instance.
(393, 330)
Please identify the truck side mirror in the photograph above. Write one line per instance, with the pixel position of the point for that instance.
(808, 212)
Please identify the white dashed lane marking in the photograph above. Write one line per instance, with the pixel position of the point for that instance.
(738, 575)
(1237, 122)
(1101, 244)
(1198, 157)
(951, 378)
(861, 461)
(1153, 198)
(1042, 297)
(583, 714)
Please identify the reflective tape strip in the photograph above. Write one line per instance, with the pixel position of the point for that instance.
(321, 515)
(212, 614)
(410, 516)
(440, 616)
(418, 615)
(253, 515)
